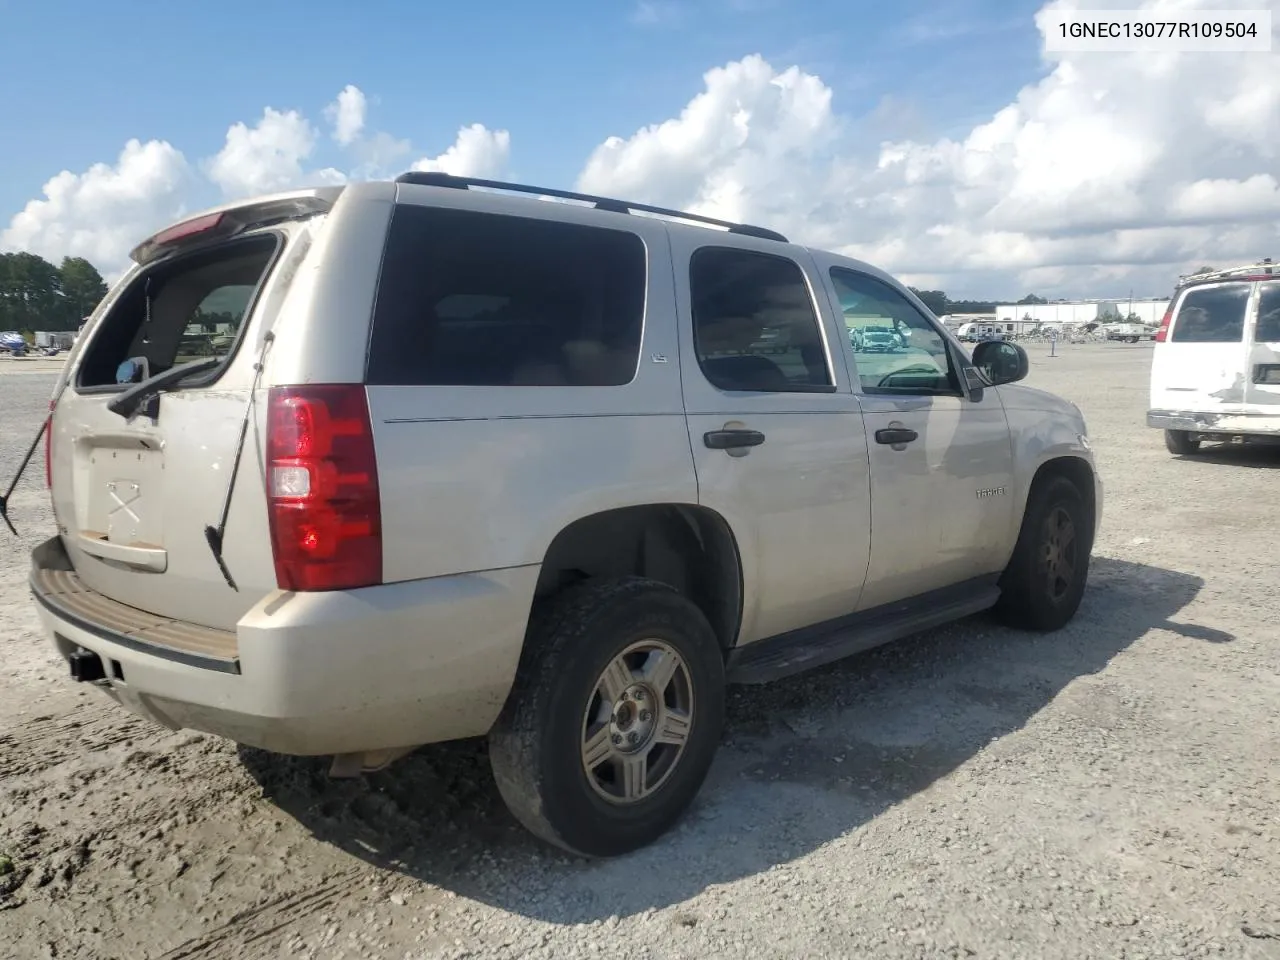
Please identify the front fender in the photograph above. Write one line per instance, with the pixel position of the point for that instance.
(1043, 428)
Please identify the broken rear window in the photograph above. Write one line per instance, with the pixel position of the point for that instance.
(190, 308)
(1212, 315)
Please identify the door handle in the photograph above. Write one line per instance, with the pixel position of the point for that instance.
(895, 435)
(732, 439)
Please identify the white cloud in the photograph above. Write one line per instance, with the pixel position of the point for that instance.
(476, 152)
(102, 213)
(346, 113)
(1113, 168)
(265, 158)
(739, 141)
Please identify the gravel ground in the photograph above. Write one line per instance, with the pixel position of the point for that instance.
(1109, 791)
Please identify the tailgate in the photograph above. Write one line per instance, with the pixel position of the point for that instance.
(134, 493)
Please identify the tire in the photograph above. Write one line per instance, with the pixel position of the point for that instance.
(1180, 443)
(1133, 340)
(1029, 598)
(539, 746)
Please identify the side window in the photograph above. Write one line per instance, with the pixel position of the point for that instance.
(754, 324)
(897, 350)
(1268, 330)
(481, 299)
(1212, 315)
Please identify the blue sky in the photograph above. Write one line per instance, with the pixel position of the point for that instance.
(937, 140)
(560, 76)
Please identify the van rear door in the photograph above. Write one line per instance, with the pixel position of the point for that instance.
(1262, 387)
(134, 489)
(1201, 365)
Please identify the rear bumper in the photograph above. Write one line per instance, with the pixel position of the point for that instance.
(1227, 424)
(310, 674)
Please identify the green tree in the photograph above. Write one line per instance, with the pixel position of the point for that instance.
(935, 300)
(36, 295)
(1031, 298)
(82, 289)
(30, 290)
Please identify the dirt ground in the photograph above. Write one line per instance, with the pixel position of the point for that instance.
(1110, 791)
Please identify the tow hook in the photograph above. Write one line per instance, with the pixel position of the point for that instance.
(86, 666)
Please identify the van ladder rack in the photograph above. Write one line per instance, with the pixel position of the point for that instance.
(425, 178)
(1264, 269)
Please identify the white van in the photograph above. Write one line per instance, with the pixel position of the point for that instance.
(1216, 370)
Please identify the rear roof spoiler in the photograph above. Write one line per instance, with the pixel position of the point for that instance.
(230, 219)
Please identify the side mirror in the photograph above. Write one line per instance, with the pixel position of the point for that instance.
(1001, 361)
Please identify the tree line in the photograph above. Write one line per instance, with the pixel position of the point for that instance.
(941, 304)
(36, 295)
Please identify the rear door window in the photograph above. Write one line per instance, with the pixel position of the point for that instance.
(1268, 329)
(754, 324)
(482, 299)
(1212, 315)
(190, 308)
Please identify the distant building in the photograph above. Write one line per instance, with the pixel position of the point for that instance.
(1078, 313)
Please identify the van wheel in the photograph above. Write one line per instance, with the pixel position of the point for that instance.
(1180, 443)
(1043, 584)
(614, 717)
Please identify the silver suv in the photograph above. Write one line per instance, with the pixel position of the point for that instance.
(345, 471)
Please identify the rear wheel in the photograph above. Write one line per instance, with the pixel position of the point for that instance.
(614, 717)
(1043, 584)
(1180, 442)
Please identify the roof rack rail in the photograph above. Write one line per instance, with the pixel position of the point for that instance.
(1261, 270)
(426, 178)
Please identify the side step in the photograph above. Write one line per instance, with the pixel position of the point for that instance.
(809, 647)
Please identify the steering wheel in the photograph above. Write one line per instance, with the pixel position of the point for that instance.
(914, 368)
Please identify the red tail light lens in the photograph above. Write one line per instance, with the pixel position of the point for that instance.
(1163, 333)
(322, 488)
(48, 448)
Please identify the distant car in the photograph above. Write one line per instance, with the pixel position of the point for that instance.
(1215, 373)
(880, 341)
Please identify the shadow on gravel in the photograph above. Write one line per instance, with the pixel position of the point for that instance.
(804, 761)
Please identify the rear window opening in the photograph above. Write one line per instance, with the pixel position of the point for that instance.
(190, 308)
(1212, 315)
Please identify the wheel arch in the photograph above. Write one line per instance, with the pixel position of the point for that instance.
(1082, 475)
(687, 546)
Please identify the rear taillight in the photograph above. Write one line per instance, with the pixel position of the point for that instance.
(322, 488)
(48, 448)
(1163, 333)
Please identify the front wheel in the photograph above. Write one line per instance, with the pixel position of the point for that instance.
(1043, 584)
(1180, 443)
(614, 718)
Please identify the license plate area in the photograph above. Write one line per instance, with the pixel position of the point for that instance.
(125, 495)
